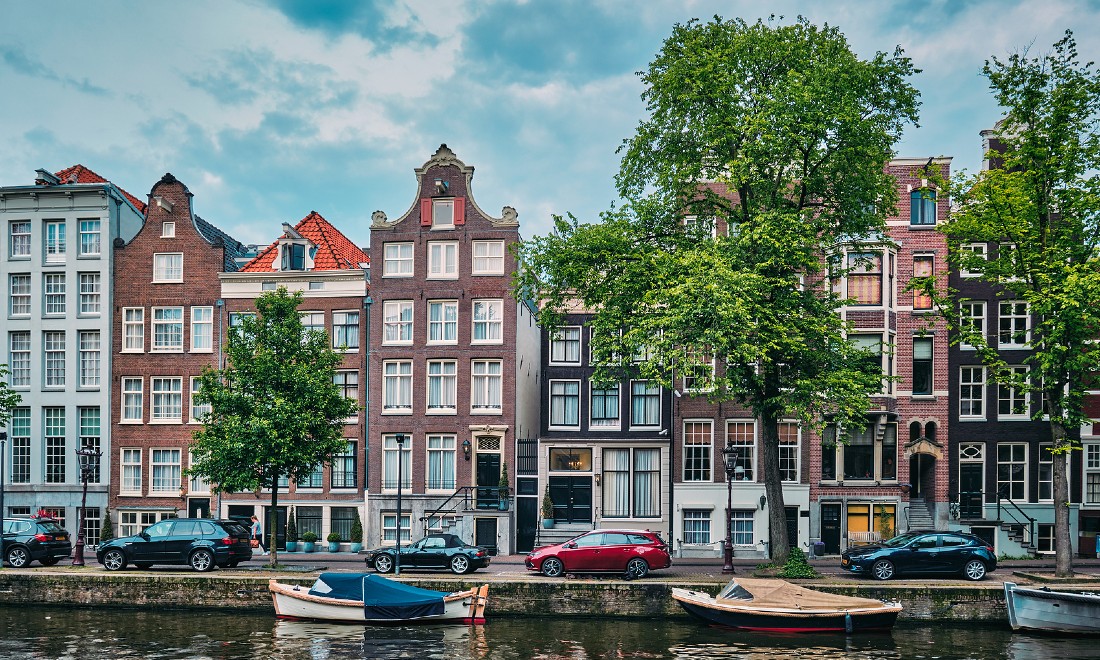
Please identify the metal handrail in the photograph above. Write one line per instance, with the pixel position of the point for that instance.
(468, 495)
(1030, 521)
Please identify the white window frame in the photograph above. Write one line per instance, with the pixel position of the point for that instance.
(696, 526)
(19, 359)
(54, 344)
(1091, 491)
(790, 452)
(90, 285)
(443, 213)
(167, 462)
(565, 345)
(348, 382)
(54, 294)
(390, 531)
(443, 262)
(90, 359)
(442, 378)
(487, 315)
(741, 436)
(974, 406)
(397, 260)
(488, 257)
(132, 400)
(54, 240)
(345, 330)
(1045, 475)
(646, 423)
(90, 237)
(130, 471)
(165, 324)
(1016, 315)
(601, 424)
(168, 229)
(133, 330)
(389, 462)
(196, 410)
(697, 446)
(397, 387)
(485, 386)
(562, 392)
(19, 289)
(976, 316)
(397, 322)
(976, 248)
(166, 399)
(202, 329)
(1013, 460)
(443, 330)
(742, 527)
(440, 447)
(1014, 398)
(19, 239)
(167, 267)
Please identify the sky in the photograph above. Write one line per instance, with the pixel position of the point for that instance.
(270, 109)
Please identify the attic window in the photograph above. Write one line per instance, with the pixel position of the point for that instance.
(294, 256)
(167, 230)
(443, 213)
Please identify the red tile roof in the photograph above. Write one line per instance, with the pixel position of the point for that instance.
(334, 250)
(81, 174)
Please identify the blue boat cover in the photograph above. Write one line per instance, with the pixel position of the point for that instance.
(382, 598)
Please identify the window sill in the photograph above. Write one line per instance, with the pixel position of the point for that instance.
(396, 275)
(576, 427)
(922, 397)
(167, 350)
(485, 411)
(449, 342)
(487, 274)
(923, 227)
(1013, 418)
(164, 422)
(131, 494)
(202, 350)
(441, 277)
(403, 411)
(131, 422)
(442, 411)
(132, 351)
(486, 342)
(972, 419)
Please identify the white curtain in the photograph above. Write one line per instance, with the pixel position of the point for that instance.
(647, 487)
(616, 483)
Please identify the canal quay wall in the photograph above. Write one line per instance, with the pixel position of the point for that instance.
(507, 597)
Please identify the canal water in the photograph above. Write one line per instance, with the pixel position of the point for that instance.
(91, 634)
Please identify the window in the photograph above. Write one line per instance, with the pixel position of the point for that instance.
(167, 394)
(645, 403)
(89, 294)
(54, 445)
(972, 392)
(312, 322)
(20, 446)
(343, 517)
(90, 438)
(977, 251)
(922, 366)
(168, 267)
(443, 322)
(604, 407)
(389, 528)
(389, 462)
(20, 295)
(1012, 470)
(631, 483)
(314, 479)
(236, 321)
(131, 472)
(442, 386)
(20, 239)
(345, 331)
(922, 207)
(488, 322)
(397, 386)
(973, 320)
(53, 286)
(397, 260)
(397, 322)
(53, 347)
(741, 439)
(316, 286)
(565, 403)
(1092, 473)
(1012, 401)
(343, 466)
(696, 526)
(697, 449)
(1044, 542)
(133, 329)
(443, 214)
(269, 286)
(698, 369)
(1014, 325)
(859, 454)
(168, 229)
(348, 382)
(293, 256)
(441, 462)
(168, 329)
(132, 395)
(922, 267)
(202, 329)
(485, 394)
(89, 237)
(89, 358)
(19, 359)
(55, 241)
(198, 410)
(865, 278)
(488, 257)
(565, 346)
(1046, 473)
(165, 464)
(789, 442)
(741, 527)
(442, 260)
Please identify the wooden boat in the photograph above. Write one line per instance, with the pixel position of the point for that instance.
(371, 598)
(1052, 611)
(778, 606)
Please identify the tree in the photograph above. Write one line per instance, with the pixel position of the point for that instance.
(784, 134)
(275, 411)
(9, 398)
(1039, 206)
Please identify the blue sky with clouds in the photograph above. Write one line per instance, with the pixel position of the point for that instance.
(270, 109)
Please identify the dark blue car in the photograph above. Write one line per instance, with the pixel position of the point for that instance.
(922, 553)
(200, 543)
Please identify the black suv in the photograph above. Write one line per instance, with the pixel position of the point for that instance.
(30, 539)
(201, 543)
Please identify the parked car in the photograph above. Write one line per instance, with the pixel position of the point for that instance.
(922, 552)
(35, 539)
(629, 551)
(201, 543)
(432, 551)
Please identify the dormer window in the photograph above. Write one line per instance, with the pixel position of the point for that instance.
(443, 213)
(294, 256)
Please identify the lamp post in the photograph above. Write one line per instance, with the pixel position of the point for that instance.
(87, 457)
(729, 458)
(400, 440)
(3, 451)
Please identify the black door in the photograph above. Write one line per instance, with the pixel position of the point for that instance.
(488, 480)
(485, 534)
(572, 497)
(527, 512)
(280, 527)
(830, 528)
(792, 526)
(198, 507)
(970, 490)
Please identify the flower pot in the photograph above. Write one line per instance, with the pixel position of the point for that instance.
(291, 546)
(548, 523)
(334, 546)
(307, 546)
(356, 547)
(504, 505)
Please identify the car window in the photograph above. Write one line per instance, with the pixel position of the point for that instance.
(185, 528)
(900, 540)
(159, 530)
(208, 529)
(926, 541)
(434, 543)
(640, 539)
(615, 539)
(589, 540)
(954, 541)
(50, 527)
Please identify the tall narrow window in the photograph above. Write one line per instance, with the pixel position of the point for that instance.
(922, 267)
(397, 386)
(789, 435)
(54, 445)
(741, 440)
(198, 410)
(865, 278)
(55, 241)
(133, 329)
(647, 483)
(488, 321)
(312, 322)
(645, 403)
(441, 462)
(1013, 401)
(167, 396)
(165, 465)
(616, 483)
(972, 392)
(132, 399)
(202, 329)
(443, 322)
(922, 365)
(1046, 473)
(605, 406)
(131, 472)
(20, 295)
(53, 346)
(485, 395)
(397, 322)
(90, 437)
(345, 331)
(972, 320)
(565, 399)
(343, 467)
(89, 358)
(697, 450)
(348, 382)
(168, 267)
(19, 359)
(89, 237)
(1092, 473)
(89, 294)
(20, 445)
(1014, 325)
(1012, 470)
(442, 386)
(53, 285)
(389, 462)
(922, 207)
(20, 239)
(565, 346)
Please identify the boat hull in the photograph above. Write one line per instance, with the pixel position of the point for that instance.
(745, 617)
(1052, 611)
(466, 607)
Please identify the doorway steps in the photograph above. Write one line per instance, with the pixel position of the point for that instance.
(560, 533)
(919, 517)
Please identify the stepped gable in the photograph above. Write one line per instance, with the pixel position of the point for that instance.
(81, 174)
(334, 250)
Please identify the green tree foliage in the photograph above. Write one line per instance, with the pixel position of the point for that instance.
(1038, 210)
(107, 531)
(784, 133)
(9, 398)
(275, 411)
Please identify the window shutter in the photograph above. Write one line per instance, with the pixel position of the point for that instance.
(460, 211)
(425, 212)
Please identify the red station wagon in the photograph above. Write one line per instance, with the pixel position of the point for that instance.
(629, 551)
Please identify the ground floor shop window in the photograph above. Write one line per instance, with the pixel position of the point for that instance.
(880, 518)
(389, 528)
(741, 527)
(632, 483)
(696, 526)
(342, 519)
(309, 520)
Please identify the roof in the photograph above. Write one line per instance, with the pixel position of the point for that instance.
(334, 250)
(233, 247)
(81, 174)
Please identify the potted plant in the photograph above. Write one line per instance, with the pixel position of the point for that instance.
(356, 533)
(547, 510)
(333, 539)
(308, 539)
(502, 487)
(107, 532)
(291, 532)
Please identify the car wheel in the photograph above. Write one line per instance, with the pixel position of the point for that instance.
(50, 561)
(974, 570)
(142, 564)
(383, 563)
(637, 567)
(883, 569)
(460, 564)
(202, 560)
(114, 560)
(552, 567)
(18, 557)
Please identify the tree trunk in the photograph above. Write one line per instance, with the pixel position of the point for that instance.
(1063, 544)
(778, 543)
(271, 522)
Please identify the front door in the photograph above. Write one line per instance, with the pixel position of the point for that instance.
(198, 507)
(971, 476)
(830, 528)
(485, 534)
(572, 497)
(488, 481)
(792, 525)
(280, 527)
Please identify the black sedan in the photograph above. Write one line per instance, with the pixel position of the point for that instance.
(200, 543)
(927, 552)
(432, 551)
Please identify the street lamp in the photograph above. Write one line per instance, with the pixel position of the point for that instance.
(88, 457)
(400, 440)
(729, 457)
(3, 450)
